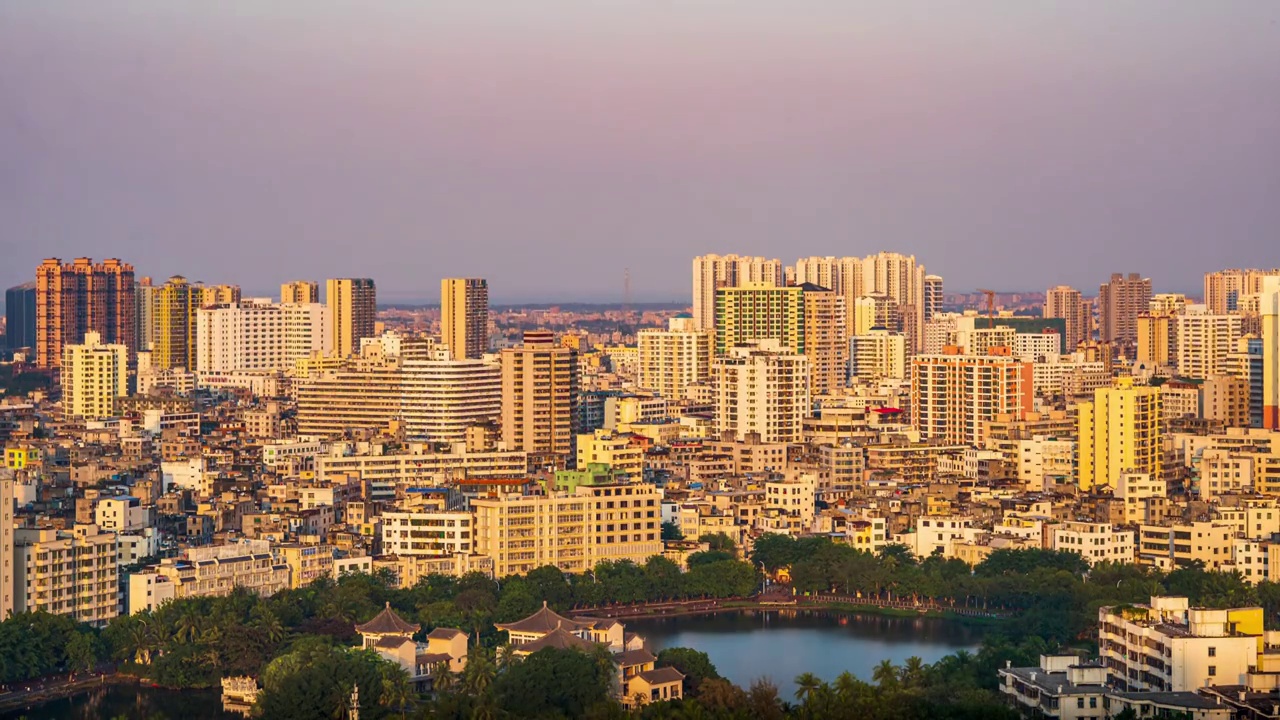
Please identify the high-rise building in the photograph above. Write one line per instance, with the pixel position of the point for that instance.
(1270, 312)
(144, 314)
(1224, 289)
(257, 334)
(1225, 398)
(539, 395)
(1204, 342)
(671, 359)
(1120, 301)
(216, 295)
(758, 311)
(933, 296)
(712, 272)
(93, 376)
(899, 278)
(67, 572)
(464, 316)
(20, 316)
(875, 311)
(353, 310)
(7, 548)
(431, 395)
(1167, 304)
(1155, 336)
(300, 292)
(174, 315)
(843, 275)
(954, 396)
(1119, 432)
(1066, 303)
(826, 342)
(877, 355)
(761, 387)
(75, 298)
(1246, 364)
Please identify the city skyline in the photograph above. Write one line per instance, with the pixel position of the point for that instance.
(484, 142)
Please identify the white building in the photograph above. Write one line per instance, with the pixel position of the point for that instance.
(257, 334)
(1095, 542)
(671, 359)
(1036, 346)
(1043, 460)
(93, 376)
(1204, 342)
(121, 513)
(432, 534)
(762, 388)
(877, 355)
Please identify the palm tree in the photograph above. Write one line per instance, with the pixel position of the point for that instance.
(806, 685)
(506, 657)
(886, 675)
(912, 672)
(188, 625)
(396, 692)
(479, 673)
(442, 678)
(846, 687)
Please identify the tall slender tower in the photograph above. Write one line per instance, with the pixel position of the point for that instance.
(711, 272)
(20, 316)
(353, 309)
(932, 296)
(75, 298)
(464, 317)
(1065, 302)
(901, 279)
(1270, 312)
(6, 543)
(539, 395)
(1119, 303)
(174, 315)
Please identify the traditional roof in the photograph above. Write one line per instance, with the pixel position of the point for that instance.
(661, 676)
(392, 642)
(387, 622)
(632, 658)
(432, 659)
(559, 638)
(444, 633)
(543, 621)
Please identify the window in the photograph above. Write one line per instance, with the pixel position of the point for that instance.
(1213, 652)
(1080, 702)
(1213, 670)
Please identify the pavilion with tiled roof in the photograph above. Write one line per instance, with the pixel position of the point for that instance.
(560, 639)
(541, 623)
(386, 625)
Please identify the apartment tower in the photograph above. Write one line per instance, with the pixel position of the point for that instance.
(353, 310)
(761, 387)
(671, 359)
(20, 316)
(300, 292)
(464, 317)
(174, 315)
(539, 395)
(1120, 301)
(78, 297)
(1066, 303)
(93, 376)
(1119, 432)
(1224, 289)
(712, 272)
(954, 396)
(1270, 312)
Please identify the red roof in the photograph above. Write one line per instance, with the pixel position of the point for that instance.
(888, 411)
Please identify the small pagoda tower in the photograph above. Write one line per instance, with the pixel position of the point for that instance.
(386, 624)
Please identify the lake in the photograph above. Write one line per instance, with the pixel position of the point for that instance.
(133, 702)
(781, 644)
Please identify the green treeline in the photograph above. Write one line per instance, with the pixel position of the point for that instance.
(304, 638)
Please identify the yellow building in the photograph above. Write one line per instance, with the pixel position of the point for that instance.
(93, 376)
(21, 457)
(1270, 312)
(464, 317)
(826, 340)
(174, 318)
(300, 292)
(1153, 339)
(572, 531)
(616, 451)
(214, 295)
(760, 311)
(6, 543)
(353, 310)
(1205, 342)
(671, 359)
(306, 562)
(1119, 432)
(71, 573)
(539, 390)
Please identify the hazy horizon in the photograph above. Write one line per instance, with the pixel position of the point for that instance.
(550, 146)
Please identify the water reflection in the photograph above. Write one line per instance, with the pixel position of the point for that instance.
(781, 644)
(133, 702)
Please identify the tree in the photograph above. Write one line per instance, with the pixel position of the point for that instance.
(671, 531)
(552, 682)
(886, 675)
(695, 665)
(806, 685)
(315, 681)
(762, 700)
(719, 541)
(81, 652)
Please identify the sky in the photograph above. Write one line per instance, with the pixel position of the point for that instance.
(550, 146)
